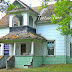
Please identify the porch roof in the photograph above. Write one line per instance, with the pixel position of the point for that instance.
(21, 36)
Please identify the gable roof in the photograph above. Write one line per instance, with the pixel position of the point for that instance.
(21, 36)
(4, 21)
(47, 12)
(25, 7)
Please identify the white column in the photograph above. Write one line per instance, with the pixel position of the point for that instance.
(11, 20)
(14, 51)
(25, 19)
(10, 49)
(32, 48)
(2, 49)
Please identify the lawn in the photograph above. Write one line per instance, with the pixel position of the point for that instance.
(44, 68)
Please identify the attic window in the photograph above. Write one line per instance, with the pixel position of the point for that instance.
(18, 20)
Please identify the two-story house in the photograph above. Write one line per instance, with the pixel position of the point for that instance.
(33, 40)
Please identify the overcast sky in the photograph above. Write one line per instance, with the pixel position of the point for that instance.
(33, 3)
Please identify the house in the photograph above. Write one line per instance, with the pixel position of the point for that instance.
(33, 40)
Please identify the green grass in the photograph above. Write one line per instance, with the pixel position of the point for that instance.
(55, 67)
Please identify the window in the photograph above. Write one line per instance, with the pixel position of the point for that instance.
(6, 49)
(50, 47)
(30, 21)
(71, 50)
(17, 20)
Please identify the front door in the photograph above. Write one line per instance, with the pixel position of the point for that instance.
(23, 48)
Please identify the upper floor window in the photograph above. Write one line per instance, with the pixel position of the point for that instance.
(51, 47)
(17, 20)
(30, 21)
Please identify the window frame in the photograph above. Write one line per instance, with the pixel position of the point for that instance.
(70, 49)
(54, 47)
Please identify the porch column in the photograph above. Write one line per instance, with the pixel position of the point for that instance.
(32, 48)
(14, 51)
(25, 19)
(2, 49)
(11, 20)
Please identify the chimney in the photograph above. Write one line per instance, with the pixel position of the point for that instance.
(30, 5)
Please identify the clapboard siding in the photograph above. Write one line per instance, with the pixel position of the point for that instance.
(4, 31)
(50, 33)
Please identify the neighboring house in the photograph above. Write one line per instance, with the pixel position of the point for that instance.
(33, 40)
(4, 29)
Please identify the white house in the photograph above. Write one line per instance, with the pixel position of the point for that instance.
(33, 40)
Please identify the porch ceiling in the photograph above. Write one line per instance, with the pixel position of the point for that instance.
(21, 36)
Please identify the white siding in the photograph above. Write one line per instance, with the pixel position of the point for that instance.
(50, 33)
(38, 49)
(4, 31)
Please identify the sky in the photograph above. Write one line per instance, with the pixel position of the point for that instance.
(33, 3)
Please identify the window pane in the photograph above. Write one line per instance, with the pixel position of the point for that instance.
(50, 48)
(6, 49)
(51, 52)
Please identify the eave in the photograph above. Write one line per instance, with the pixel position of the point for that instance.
(21, 40)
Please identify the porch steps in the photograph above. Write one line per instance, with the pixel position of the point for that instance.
(9, 58)
(10, 62)
(3, 61)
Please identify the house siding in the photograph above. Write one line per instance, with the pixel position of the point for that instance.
(68, 40)
(37, 61)
(3, 32)
(54, 60)
(21, 61)
(49, 31)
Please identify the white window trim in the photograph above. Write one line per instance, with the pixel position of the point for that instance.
(54, 48)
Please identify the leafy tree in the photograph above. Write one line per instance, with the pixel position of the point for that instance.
(6, 6)
(62, 15)
(63, 10)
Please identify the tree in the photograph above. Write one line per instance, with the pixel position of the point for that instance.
(6, 6)
(62, 15)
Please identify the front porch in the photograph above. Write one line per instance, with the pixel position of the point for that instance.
(26, 54)
(26, 49)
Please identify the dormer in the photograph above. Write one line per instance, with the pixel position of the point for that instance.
(22, 15)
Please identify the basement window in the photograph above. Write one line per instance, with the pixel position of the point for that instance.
(51, 47)
(71, 50)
